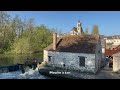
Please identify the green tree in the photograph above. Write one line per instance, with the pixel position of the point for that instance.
(17, 26)
(21, 46)
(22, 37)
(5, 32)
(95, 30)
(43, 35)
(40, 38)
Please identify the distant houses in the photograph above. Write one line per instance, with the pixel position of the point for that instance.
(113, 50)
(112, 41)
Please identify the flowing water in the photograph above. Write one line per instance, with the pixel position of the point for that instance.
(7, 60)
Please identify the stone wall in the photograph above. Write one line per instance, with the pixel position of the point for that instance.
(98, 56)
(116, 63)
(71, 60)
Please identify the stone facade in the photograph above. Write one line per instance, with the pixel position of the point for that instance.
(73, 32)
(98, 55)
(103, 43)
(116, 62)
(103, 61)
(71, 60)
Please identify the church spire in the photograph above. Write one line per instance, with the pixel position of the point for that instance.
(79, 27)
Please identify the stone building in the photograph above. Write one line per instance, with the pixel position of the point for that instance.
(77, 30)
(75, 52)
(116, 62)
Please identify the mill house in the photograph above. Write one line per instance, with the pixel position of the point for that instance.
(75, 52)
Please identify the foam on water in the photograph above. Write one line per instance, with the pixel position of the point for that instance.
(30, 74)
(9, 75)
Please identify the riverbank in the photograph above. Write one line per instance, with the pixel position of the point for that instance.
(6, 60)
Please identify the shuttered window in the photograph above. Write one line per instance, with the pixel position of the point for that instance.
(49, 58)
(81, 61)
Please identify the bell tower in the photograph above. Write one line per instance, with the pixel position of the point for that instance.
(79, 28)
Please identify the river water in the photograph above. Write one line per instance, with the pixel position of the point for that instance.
(6, 60)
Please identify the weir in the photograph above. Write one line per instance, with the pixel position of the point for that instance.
(19, 67)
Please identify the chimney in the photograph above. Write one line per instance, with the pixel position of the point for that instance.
(54, 40)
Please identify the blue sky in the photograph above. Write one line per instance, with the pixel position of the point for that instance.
(107, 21)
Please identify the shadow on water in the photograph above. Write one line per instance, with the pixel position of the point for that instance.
(14, 59)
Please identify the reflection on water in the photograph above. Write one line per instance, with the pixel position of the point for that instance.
(14, 59)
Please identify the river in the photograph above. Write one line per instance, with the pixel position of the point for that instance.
(6, 60)
(14, 59)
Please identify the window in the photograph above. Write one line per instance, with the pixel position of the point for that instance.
(98, 51)
(63, 65)
(49, 58)
(81, 61)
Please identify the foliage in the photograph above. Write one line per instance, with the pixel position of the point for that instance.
(32, 42)
(40, 39)
(21, 46)
(95, 30)
(22, 37)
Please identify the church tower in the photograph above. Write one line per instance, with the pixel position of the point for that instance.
(79, 28)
